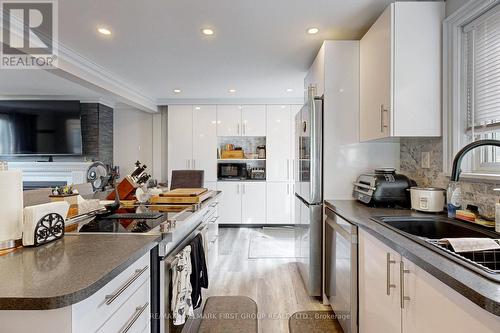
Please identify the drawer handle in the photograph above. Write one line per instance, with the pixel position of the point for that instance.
(138, 311)
(138, 272)
(214, 219)
(214, 204)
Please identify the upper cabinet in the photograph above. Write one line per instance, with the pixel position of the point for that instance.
(400, 72)
(237, 120)
(253, 120)
(192, 139)
(228, 120)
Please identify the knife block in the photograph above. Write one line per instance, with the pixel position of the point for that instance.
(126, 190)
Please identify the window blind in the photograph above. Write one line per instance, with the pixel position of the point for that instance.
(482, 72)
(481, 66)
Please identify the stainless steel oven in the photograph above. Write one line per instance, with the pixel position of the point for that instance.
(341, 270)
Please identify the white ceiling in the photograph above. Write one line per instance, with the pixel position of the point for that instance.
(260, 47)
(19, 83)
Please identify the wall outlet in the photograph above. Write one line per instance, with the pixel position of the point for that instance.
(426, 160)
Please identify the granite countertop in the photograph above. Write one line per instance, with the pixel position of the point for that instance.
(68, 270)
(480, 290)
(73, 268)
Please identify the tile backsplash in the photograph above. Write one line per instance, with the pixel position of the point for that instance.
(474, 192)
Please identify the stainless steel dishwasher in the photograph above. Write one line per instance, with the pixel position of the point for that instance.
(341, 270)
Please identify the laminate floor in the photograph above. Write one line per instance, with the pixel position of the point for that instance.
(273, 283)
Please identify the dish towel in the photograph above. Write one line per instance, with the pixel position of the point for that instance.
(181, 304)
(471, 244)
(199, 276)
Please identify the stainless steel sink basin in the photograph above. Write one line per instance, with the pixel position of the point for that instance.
(433, 227)
(427, 230)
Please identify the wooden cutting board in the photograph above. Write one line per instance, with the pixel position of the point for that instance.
(186, 197)
(184, 192)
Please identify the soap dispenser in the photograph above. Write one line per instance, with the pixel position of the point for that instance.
(497, 212)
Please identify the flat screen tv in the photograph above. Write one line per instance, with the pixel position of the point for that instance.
(40, 128)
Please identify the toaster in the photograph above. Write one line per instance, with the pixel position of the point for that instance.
(383, 188)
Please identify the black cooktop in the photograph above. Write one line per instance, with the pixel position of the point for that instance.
(115, 224)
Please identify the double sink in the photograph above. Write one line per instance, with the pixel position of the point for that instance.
(428, 230)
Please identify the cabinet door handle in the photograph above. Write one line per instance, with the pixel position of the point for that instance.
(194, 163)
(243, 187)
(388, 266)
(288, 189)
(287, 169)
(402, 272)
(382, 110)
(138, 272)
(138, 311)
(238, 129)
(244, 129)
(189, 164)
(237, 188)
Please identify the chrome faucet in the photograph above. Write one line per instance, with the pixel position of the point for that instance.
(457, 161)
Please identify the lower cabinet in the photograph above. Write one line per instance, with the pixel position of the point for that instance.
(229, 202)
(395, 295)
(279, 202)
(242, 202)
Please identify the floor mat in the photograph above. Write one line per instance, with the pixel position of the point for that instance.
(272, 243)
(314, 322)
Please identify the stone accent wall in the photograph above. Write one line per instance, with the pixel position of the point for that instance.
(97, 132)
(474, 192)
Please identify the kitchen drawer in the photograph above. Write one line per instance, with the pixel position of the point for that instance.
(133, 316)
(89, 314)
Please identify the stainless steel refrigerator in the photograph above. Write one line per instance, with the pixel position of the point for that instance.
(309, 191)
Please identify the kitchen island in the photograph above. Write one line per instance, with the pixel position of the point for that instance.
(93, 281)
(409, 281)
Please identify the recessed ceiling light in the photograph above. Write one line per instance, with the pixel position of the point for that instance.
(207, 31)
(289, 90)
(177, 91)
(104, 31)
(232, 91)
(312, 31)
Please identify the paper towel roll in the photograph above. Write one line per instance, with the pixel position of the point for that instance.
(11, 207)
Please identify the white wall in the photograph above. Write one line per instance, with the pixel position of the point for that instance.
(133, 138)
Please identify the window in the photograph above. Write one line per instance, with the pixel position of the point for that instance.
(481, 88)
(471, 86)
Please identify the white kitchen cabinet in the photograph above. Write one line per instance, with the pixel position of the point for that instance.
(316, 74)
(192, 139)
(279, 203)
(229, 120)
(253, 202)
(253, 120)
(205, 140)
(242, 202)
(400, 72)
(229, 202)
(241, 120)
(278, 143)
(180, 137)
(428, 306)
(378, 304)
